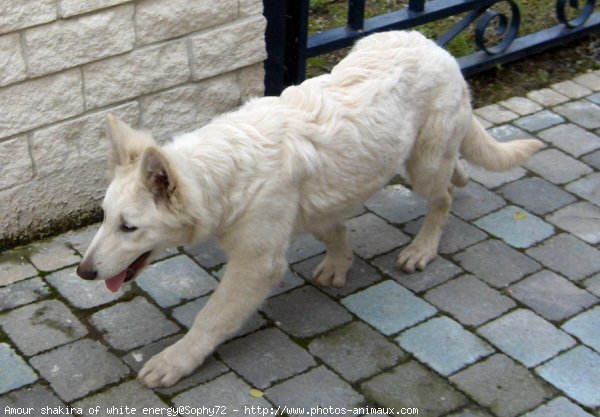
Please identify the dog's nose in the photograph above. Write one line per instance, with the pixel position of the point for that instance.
(86, 271)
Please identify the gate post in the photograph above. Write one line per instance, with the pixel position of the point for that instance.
(286, 37)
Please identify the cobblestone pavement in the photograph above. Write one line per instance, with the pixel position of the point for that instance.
(505, 322)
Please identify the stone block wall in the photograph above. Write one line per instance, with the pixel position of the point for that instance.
(164, 65)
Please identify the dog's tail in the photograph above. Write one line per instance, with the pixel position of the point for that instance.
(482, 149)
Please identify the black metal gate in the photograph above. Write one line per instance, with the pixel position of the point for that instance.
(289, 45)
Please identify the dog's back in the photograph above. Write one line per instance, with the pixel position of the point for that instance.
(368, 114)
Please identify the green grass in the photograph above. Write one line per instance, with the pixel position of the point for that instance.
(491, 86)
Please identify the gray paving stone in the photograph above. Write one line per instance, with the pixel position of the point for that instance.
(536, 195)
(355, 351)
(288, 281)
(496, 263)
(131, 324)
(397, 204)
(576, 373)
(456, 234)
(547, 97)
(369, 235)
(521, 105)
(164, 254)
(593, 285)
(571, 89)
(438, 271)
(580, 219)
(208, 254)
(558, 407)
(14, 267)
(175, 280)
(503, 386)
(129, 394)
(210, 369)
(484, 123)
(318, 387)
(582, 112)
(474, 201)
(186, 313)
(80, 239)
(589, 80)
(359, 276)
(389, 307)
(568, 255)
(305, 312)
(556, 166)
(526, 337)
(412, 385)
(36, 396)
(516, 226)
(444, 345)
(81, 293)
(265, 356)
(76, 369)
(491, 179)
(508, 132)
(495, 114)
(471, 412)
(469, 300)
(594, 98)
(24, 292)
(593, 159)
(587, 187)
(41, 326)
(571, 139)
(585, 326)
(538, 121)
(12, 364)
(52, 255)
(226, 391)
(551, 296)
(302, 247)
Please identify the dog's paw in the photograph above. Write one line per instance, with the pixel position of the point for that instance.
(332, 272)
(415, 257)
(167, 367)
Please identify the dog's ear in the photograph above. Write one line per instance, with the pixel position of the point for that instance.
(126, 143)
(157, 174)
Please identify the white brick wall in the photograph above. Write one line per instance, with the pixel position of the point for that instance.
(164, 65)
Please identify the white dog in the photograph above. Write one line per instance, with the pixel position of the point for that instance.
(279, 166)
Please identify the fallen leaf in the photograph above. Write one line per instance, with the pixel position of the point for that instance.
(256, 393)
(519, 215)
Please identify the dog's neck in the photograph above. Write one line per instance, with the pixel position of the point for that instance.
(217, 183)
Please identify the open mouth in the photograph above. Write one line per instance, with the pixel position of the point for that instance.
(114, 283)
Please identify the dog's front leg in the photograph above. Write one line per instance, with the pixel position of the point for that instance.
(246, 283)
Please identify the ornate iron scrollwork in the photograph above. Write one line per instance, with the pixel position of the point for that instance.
(582, 17)
(507, 27)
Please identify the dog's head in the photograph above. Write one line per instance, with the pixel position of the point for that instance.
(140, 208)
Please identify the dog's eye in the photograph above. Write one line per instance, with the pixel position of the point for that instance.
(127, 228)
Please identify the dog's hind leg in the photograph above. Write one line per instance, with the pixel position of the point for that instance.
(338, 260)
(434, 169)
(460, 178)
(424, 246)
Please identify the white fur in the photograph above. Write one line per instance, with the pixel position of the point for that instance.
(301, 162)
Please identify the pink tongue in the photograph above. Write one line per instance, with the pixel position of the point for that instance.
(115, 282)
